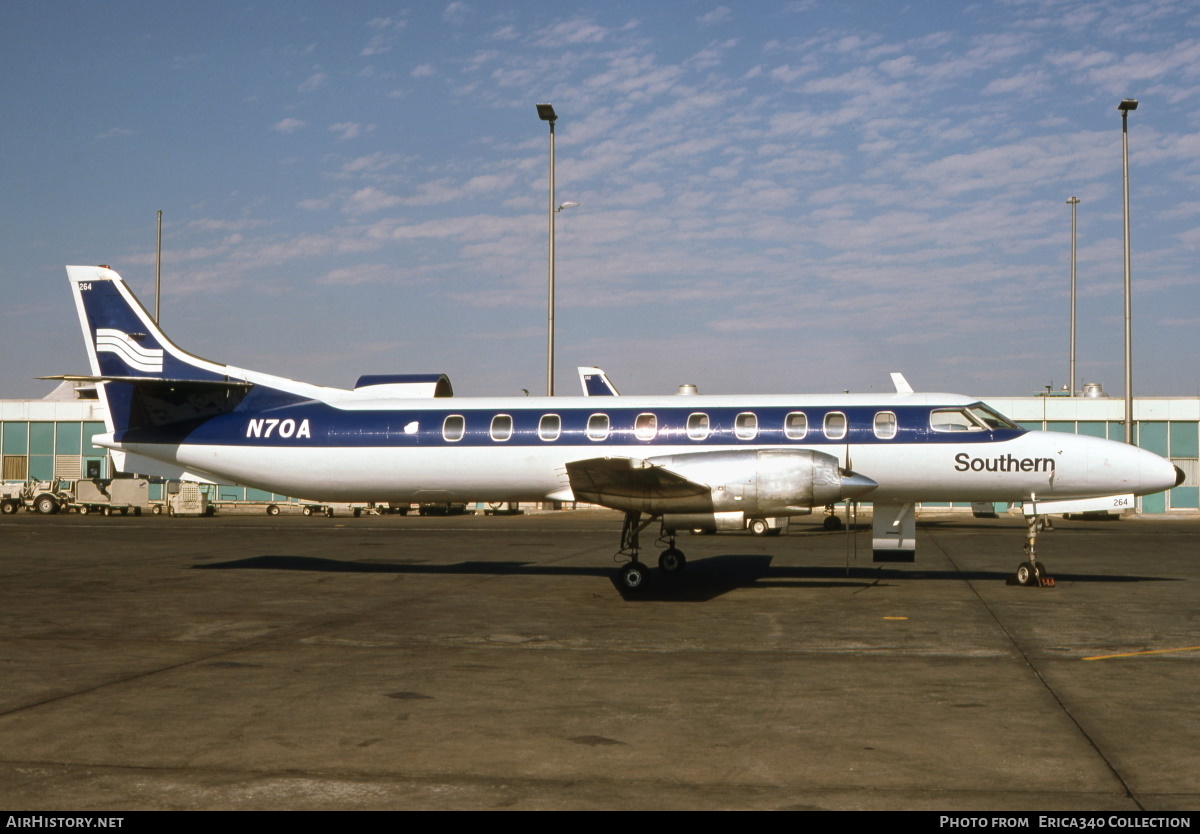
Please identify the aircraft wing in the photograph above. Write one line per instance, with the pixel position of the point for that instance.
(622, 482)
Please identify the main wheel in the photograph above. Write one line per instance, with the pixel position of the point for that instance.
(831, 523)
(1026, 575)
(759, 526)
(671, 560)
(272, 510)
(46, 505)
(633, 576)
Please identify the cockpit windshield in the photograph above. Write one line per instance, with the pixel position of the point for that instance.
(974, 417)
(994, 419)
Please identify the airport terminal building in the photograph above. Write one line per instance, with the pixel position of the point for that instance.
(52, 437)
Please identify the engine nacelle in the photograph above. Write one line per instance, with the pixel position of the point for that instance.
(764, 482)
(753, 483)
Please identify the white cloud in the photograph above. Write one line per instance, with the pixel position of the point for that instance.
(571, 32)
(456, 13)
(718, 15)
(350, 130)
(116, 133)
(353, 276)
(314, 82)
(369, 200)
(288, 125)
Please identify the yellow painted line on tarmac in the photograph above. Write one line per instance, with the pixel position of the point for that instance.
(1136, 654)
(895, 618)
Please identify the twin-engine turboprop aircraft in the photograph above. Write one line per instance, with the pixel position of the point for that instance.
(686, 462)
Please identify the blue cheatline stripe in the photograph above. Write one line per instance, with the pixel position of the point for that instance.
(318, 425)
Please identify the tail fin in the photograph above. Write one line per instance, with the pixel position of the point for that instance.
(596, 383)
(123, 340)
(146, 381)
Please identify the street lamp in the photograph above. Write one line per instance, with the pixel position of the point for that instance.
(1072, 202)
(1125, 106)
(546, 114)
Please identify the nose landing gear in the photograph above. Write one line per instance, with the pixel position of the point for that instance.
(1033, 573)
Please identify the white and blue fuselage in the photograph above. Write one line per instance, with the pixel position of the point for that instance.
(367, 449)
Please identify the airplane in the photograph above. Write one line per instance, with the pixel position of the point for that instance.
(685, 462)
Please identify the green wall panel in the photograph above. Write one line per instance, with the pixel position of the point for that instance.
(1153, 437)
(67, 438)
(41, 438)
(16, 438)
(1183, 440)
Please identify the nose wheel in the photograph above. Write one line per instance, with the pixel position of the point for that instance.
(1032, 573)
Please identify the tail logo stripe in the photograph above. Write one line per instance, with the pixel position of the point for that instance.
(147, 360)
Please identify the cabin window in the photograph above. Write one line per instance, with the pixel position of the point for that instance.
(885, 425)
(597, 427)
(697, 426)
(502, 427)
(453, 428)
(835, 425)
(795, 426)
(645, 427)
(745, 425)
(550, 427)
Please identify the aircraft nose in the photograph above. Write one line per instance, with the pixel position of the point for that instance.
(854, 484)
(1158, 473)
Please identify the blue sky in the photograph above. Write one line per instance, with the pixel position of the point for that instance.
(774, 197)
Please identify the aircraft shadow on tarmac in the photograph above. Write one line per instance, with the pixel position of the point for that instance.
(704, 579)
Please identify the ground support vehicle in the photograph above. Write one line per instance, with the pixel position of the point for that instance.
(45, 497)
(329, 510)
(448, 508)
(186, 498)
(120, 495)
(504, 508)
(388, 508)
(10, 498)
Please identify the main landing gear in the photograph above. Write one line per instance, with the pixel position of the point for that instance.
(1032, 573)
(633, 574)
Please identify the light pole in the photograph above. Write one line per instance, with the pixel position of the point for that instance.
(1125, 106)
(546, 114)
(1073, 202)
(158, 268)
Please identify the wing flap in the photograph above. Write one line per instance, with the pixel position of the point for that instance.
(631, 484)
